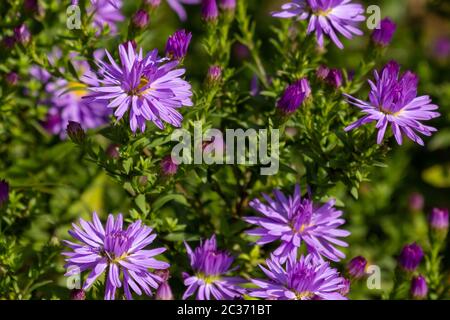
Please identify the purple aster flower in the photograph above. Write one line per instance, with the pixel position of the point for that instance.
(410, 257)
(117, 252)
(419, 288)
(168, 166)
(214, 74)
(66, 100)
(383, 35)
(4, 192)
(305, 279)
(393, 100)
(210, 266)
(106, 12)
(177, 44)
(22, 34)
(356, 268)
(335, 78)
(294, 95)
(326, 17)
(438, 219)
(177, 6)
(293, 220)
(148, 88)
(345, 290)
(210, 12)
(322, 72)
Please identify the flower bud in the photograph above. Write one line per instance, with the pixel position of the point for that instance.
(214, 74)
(22, 34)
(4, 192)
(77, 294)
(410, 257)
(335, 78)
(356, 268)
(168, 166)
(75, 132)
(322, 72)
(383, 36)
(416, 201)
(113, 151)
(164, 292)
(438, 219)
(210, 12)
(294, 96)
(228, 5)
(8, 42)
(419, 288)
(141, 19)
(177, 45)
(345, 290)
(153, 4)
(12, 78)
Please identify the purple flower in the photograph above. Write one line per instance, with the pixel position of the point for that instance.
(210, 266)
(106, 12)
(293, 220)
(8, 42)
(168, 166)
(148, 88)
(214, 74)
(393, 100)
(4, 192)
(410, 257)
(164, 291)
(228, 4)
(345, 290)
(416, 201)
(177, 44)
(141, 19)
(153, 3)
(22, 34)
(75, 132)
(438, 219)
(66, 100)
(441, 48)
(383, 35)
(322, 72)
(305, 279)
(177, 6)
(12, 78)
(117, 251)
(356, 268)
(419, 288)
(77, 294)
(335, 78)
(326, 17)
(210, 12)
(294, 95)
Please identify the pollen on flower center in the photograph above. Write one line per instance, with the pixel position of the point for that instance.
(77, 88)
(323, 13)
(304, 295)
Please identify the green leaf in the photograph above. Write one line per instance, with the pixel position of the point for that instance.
(161, 201)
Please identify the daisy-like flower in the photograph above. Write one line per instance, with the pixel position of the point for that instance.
(326, 17)
(305, 279)
(177, 6)
(148, 87)
(116, 251)
(295, 219)
(393, 100)
(106, 12)
(210, 266)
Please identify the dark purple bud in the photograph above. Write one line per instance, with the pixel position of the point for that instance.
(294, 96)
(164, 292)
(22, 34)
(4, 192)
(113, 151)
(177, 45)
(335, 78)
(168, 166)
(77, 294)
(12, 78)
(140, 19)
(228, 5)
(9, 42)
(322, 72)
(356, 268)
(416, 201)
(210, 12)
(214, 74)
(383, 35)
(410, 257)
(32, 7)
(75, 132)
(441, 48)
(438, 219)
(419, 288)
(241, 51)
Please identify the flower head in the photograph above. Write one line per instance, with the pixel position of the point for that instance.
(141, 19)
(383, 35)
(22, 34)
(106, 13)
(147, 87)
(228, 4)
(12, 78)
(77, 294)
(164, 291)
(393, 100)
(326, 17)
(438, 219)
(75, 132)
(416, 201)
(419, 288)
(294, 95)
(214, 74)
(335, 78)
(210, 12)
(210, 266)
(410, 257)
(305, 279)
(168, 166)
(295, 219)
(177, 45)
(116, 251)
(357, 267)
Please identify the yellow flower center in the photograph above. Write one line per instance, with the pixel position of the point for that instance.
(77, 88)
